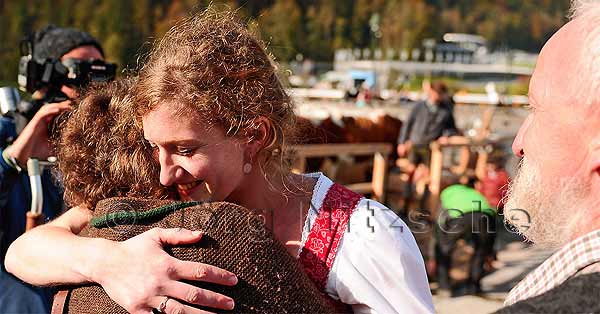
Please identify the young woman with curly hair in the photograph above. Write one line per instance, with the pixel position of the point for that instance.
(218, 120)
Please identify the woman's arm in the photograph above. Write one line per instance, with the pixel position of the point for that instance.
(52, 253)
(137, 274)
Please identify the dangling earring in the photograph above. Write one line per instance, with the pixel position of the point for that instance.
(247, 168)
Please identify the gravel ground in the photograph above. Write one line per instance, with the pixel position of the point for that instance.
(515, 261)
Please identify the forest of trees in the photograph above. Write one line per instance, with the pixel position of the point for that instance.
(309, 28)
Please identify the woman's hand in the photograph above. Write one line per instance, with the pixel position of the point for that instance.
(139, 275)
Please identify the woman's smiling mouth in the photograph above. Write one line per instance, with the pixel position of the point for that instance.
(187, 187)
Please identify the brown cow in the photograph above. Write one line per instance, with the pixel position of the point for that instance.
(354, 130)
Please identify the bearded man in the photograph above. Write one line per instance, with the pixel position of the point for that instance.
(558, 183)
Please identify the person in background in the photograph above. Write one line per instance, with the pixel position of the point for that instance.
(465, 214)
(429, 120)
(32, 142)
(493, 180)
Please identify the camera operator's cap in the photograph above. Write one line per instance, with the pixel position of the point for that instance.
(53, 42)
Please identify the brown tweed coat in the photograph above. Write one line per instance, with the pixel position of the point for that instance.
(270, 279)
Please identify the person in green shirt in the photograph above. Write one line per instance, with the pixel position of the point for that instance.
(465, 213)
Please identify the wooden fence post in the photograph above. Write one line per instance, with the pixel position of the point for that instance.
(380, 176)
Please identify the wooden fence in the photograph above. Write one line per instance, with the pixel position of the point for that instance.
(380, 151)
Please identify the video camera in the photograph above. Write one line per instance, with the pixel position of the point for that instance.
(51, 74)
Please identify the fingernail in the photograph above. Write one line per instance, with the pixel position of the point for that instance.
(197, 233)
(230, 305)
(233, 279)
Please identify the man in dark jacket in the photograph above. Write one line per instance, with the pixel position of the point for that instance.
(430, 120)
(32, 142)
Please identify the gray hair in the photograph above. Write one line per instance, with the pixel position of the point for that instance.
(588, 12)
(581, 7)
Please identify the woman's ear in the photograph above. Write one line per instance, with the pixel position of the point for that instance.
(259, 135)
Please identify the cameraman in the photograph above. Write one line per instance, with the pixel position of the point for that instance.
(51, 43)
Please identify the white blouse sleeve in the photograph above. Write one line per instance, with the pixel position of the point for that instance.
(378, 267)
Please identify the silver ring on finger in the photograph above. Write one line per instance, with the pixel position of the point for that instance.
(162, 307)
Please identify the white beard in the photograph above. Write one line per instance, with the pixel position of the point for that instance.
(553, 207)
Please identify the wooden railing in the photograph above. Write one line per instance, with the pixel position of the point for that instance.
(380, 151)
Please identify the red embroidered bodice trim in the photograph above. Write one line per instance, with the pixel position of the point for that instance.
(319, 251)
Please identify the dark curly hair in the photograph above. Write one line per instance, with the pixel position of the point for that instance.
(101, 151)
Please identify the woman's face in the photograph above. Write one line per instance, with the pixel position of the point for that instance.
(198, 159)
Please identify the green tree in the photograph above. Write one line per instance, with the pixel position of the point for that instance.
(313, 28)
(281, 28)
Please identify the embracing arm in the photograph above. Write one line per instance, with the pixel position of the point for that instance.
(53, 254)
(136, 273)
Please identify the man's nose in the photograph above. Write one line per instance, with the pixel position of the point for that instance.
(517, 146)
(518, 143)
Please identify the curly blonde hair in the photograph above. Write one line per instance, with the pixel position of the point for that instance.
(210, 66)
(101, 151)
